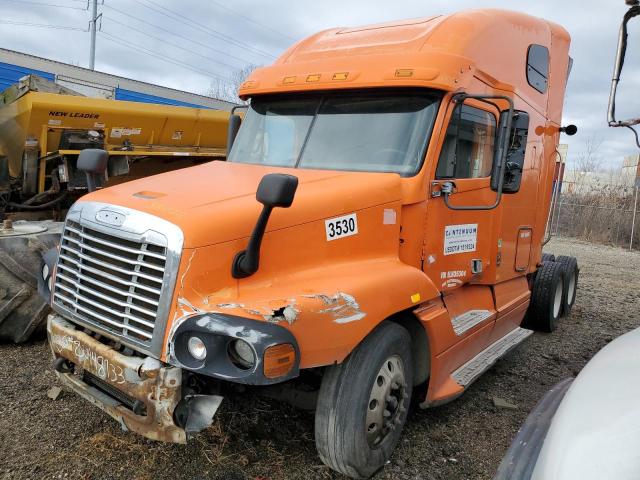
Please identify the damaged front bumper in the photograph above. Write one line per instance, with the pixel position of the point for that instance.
(142, 394)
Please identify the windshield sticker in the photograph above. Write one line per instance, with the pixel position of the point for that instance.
(460, 238)
(341, 227)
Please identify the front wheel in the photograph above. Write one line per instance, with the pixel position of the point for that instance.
(363, 402)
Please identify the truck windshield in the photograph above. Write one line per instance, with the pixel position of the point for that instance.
(364, 132)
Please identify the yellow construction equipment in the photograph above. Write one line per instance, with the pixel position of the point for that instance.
(43, 129)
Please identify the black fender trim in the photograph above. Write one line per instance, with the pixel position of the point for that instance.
(217, 331)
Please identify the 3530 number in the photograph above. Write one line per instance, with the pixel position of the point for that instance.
(341, 227)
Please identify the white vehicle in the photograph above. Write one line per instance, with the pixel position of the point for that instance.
(588, 428)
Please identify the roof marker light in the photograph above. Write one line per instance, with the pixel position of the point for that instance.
(404, 72)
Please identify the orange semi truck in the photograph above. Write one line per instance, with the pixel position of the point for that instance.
(376, 233)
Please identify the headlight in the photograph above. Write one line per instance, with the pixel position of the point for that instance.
(241, 354)
(197, 348)
(45, 271)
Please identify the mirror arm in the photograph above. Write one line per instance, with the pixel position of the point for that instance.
(234, 126)
(274, 190)
(503, 148)
(246, 262)
(621, 52)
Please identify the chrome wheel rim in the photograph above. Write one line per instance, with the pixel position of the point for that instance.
(386, 404)
(557, 300)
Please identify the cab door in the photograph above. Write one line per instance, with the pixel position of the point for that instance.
(459, 243)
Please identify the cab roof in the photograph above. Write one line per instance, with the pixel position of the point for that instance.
(442, 52)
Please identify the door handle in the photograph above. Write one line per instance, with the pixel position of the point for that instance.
(476, 266)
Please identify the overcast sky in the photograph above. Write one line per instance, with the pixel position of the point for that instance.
(205, 39)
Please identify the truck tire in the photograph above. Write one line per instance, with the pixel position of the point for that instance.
(548, 257)
(571, 273)
(22, 310)
(547, 298)
(363, 402)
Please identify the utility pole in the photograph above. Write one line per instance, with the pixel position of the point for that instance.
(92, 27)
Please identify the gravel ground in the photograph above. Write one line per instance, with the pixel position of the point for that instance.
(254, 438)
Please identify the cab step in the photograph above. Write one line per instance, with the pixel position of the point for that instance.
(465, 322)
(470, 371)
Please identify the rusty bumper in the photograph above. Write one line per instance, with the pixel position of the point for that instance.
(156, 387)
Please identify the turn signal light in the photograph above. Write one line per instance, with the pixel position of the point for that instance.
(279, 360)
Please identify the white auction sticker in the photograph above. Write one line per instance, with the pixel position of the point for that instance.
(125, 132)
(341, 227)
(460, 238)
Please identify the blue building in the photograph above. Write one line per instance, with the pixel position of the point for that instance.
(14, 65)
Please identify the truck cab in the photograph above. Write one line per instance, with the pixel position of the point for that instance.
(378, 227)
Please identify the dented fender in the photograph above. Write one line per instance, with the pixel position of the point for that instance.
(328, 311)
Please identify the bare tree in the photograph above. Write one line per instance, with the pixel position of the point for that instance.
(588, 159)
(228, 89)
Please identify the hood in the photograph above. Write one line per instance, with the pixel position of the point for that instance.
(595, 433)
(215, 202)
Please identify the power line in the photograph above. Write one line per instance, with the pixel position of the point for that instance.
(249, 19)
(175, 61)
(42, 25)
(203, 28)
(172, 44)
(41, 4)
(221, 52)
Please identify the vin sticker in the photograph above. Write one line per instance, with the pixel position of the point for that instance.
(341, 227)
(460, 238)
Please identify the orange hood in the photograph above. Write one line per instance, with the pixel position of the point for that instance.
(215, 202)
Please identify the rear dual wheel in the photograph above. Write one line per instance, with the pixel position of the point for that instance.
(363, 402)
(547, 298)
(555, 287)
(548, 257)
(571, 272)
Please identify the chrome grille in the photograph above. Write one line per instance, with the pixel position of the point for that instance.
(112, 282)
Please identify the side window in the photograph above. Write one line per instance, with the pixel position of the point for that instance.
(468, 147)
(538, 67)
